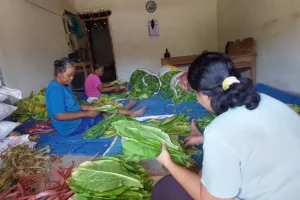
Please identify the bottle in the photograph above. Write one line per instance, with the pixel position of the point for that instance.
(167, 54)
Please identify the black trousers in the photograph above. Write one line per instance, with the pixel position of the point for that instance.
(168, 188)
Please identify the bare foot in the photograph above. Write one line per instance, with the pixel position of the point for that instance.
(139, 112)
(195, 131)
(131, 104)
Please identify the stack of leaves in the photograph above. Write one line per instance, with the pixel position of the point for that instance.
(109, 105)
(22, 161)
(143, 84)
(122, 95)
(166, 84)
(116, 82)
(205, 121)
(32, 107)
(152, 83)
(29, 187)
(295, 108)
(104, 127)
(176, 125)
(108, 100)
(143, 142)
(138, 89)
(110, 178)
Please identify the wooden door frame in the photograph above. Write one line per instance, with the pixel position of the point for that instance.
(88, 39)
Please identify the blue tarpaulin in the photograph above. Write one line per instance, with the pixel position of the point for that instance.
(76, 145)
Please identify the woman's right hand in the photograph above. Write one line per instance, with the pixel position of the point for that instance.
(117, 89)
(92, 113)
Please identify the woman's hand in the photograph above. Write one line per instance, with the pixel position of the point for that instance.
(195, 137)
(193, 140)
(92, 113)
(164, 157)
(117, 89)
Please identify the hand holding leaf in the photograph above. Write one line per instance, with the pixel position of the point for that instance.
(164, 157)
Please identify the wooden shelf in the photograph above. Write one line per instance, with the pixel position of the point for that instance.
(94, 19)
(242, 53)
(179, 60)
(84, 67)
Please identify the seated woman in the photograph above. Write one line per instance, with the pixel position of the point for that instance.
(94, 87)
(68, 117)
(249, 149)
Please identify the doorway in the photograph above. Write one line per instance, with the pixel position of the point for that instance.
(101, 47)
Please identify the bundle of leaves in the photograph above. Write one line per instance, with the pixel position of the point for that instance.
(138, 89)
(143, 84)
(183, 96)
(152, 84)
(122, 95)
(108, 100)
(104, 127)
(21, 161)
(176, 125)
(205, 121)
(166, 84)
(143, 142)
(32, 107)
(110, 178)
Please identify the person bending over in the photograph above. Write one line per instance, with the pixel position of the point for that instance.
(250, 148)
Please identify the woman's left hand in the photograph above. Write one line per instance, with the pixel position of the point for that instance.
(164, 157)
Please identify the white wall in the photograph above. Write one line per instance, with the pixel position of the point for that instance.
(186, 27)
(275, 25)
(30, 40)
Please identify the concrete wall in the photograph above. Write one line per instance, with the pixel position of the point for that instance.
(186, 27)
(30, 40)
(275, 25)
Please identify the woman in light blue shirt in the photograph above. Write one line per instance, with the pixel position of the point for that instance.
(251, 150)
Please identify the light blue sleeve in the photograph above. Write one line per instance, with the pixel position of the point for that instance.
(221, 168)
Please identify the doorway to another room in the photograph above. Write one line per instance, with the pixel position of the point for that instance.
(101, 48)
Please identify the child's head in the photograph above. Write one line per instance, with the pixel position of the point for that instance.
(99, 69)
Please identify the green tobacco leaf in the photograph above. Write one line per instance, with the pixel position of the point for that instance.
(143, 142)
(205, 121)
(108, 109)
(132, 129)
(103, 175)
(110, 178)
(104, 127)
(176, 125)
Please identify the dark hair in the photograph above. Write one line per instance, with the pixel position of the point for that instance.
(60, 66)
(206, 75)
(98, 66)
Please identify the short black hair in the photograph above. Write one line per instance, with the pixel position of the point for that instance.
(206, 75)
(60, 66)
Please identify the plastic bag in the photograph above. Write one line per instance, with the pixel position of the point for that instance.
(6, 92)
(6, 110)
(6, 128)
(144, 83)
(180, 80)
(167, 68)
